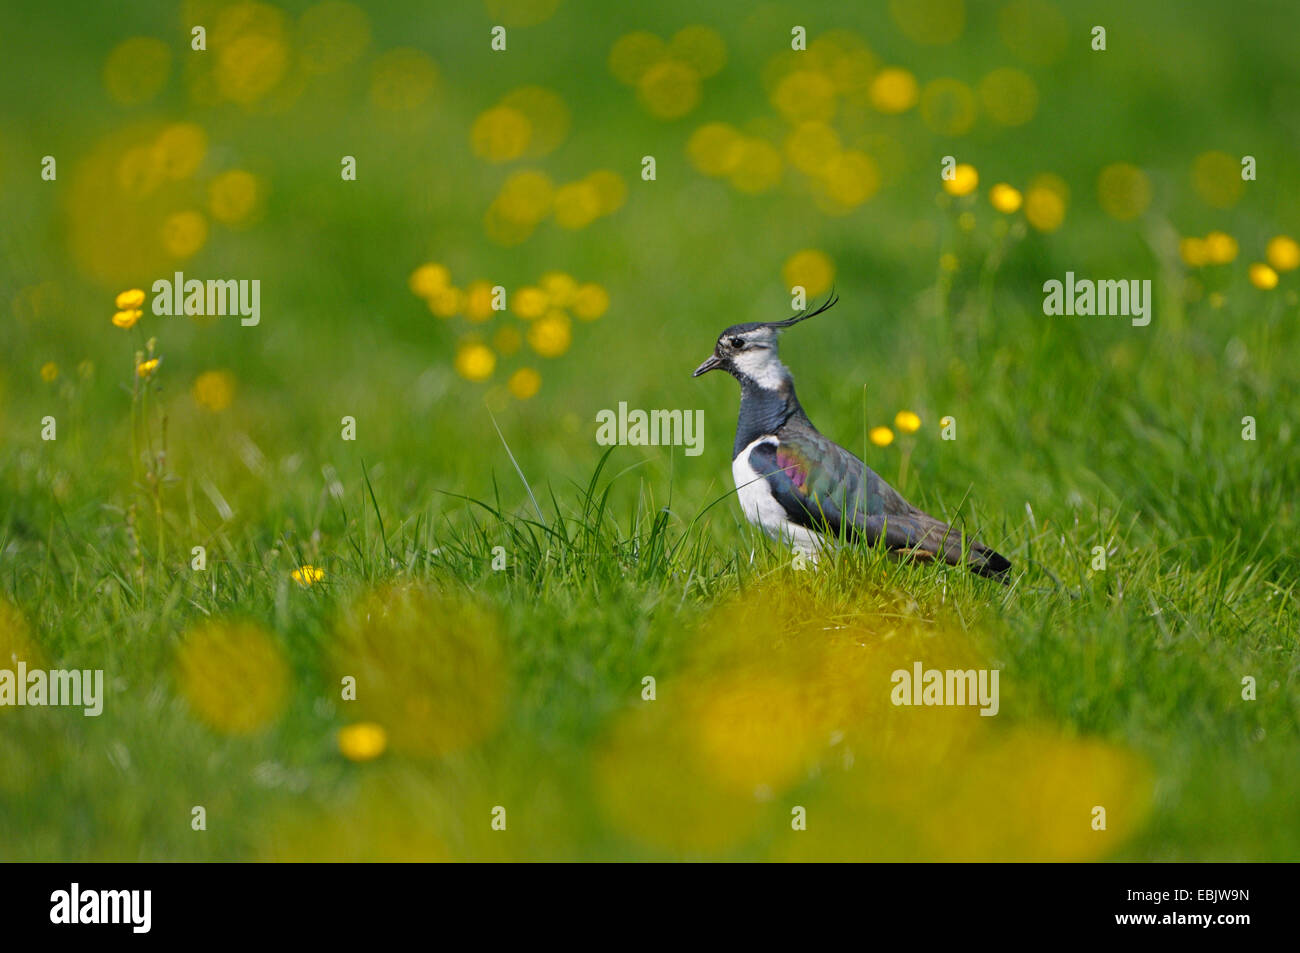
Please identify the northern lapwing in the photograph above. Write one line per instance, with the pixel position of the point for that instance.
(802, 488)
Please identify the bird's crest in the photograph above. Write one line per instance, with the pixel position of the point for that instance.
(788, 322)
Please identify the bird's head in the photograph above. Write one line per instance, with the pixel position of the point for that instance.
(749, 351)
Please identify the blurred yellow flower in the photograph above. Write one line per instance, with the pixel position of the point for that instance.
(500, 134)
(550, 336)
(559, 287)
(609, 189)
(136, 69)
(184, 233)
(805, 95)
(146, 368)
(811, 146)
(364, 741)
(127, 319)
(849, 179)
(1009, 96)
(633, 54)
(429, 279)
(1220, 248)
(525, 383)
(213, 390)
(948, 262)
(964, 180)
(1283, 253)
(932, 22)
(402, 79)
(526, 196)
(179, 149)
(715, 148)
(1194, 252)
(547, 115)
(233, 675)
(1216, 177)
(478, 301)
(758, 168)
(1123, 191)
(1045, 202)
(130, 299)
(590, 301)
(881, 436)
(576, 205)
(894, 90)
(1005, 199)
(232, 196)
(948, 107)
(1262, 276)
(446, 302)
(810, 269)
(701, 48)
(529, 302)
(475, 362)
(49, 371)
(907, 422)
(669, 89)
(307, 575)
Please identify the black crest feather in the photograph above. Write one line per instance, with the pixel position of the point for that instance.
(804, 316)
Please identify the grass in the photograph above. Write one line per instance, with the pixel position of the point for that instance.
(524, 687)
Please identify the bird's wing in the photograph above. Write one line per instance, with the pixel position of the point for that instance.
(822, 486)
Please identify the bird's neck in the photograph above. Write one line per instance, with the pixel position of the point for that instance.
(764, 410)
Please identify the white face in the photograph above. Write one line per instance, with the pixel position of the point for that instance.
(753, 354)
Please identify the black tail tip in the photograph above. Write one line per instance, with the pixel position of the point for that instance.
(991, 565)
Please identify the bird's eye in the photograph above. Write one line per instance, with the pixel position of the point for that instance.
(738, 343)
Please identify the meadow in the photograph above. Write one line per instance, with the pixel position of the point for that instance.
(362, 581)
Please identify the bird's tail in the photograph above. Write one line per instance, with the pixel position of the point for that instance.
(924, 537)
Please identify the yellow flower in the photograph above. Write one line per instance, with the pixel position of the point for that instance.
(49, 371)
(964, 180)
(560, 287)
(478, 301)
(907, 421)
(363, 741)
(1193, 252)
(475, 362)
(948, 262)
(127, 319)
(146, 368)
(130, 299)
(809, 269)
(429, 279)
(524, 383)
(881, 436)
(550, 336)
(213, 390)
(1045, 203)
(446, 302)
(1220, 247)
(590, 301)
(529, 302)
(893, 90)
(307, 575)
(1283, 253)
(1005, 199)
(1262, 276)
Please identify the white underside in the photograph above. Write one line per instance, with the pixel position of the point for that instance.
(762, 509)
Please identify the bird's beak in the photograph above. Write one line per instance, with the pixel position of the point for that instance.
(712, 364)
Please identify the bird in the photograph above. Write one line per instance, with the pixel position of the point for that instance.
(802, 488)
